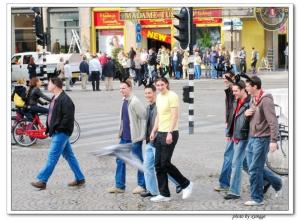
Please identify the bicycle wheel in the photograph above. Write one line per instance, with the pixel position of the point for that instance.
(13, 124)
(76, 133)
(278, 161)
(20, 135)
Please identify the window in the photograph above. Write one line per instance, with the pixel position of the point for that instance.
(16, 59)
(26, 59)
(61, 25)
(23, 32)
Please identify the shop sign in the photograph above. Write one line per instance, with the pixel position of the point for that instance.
(146, 15)
(207, 21)
(109, 32)
(207, 13)
(156, 22)
(168, 14)
(157, 36)
(111, 18)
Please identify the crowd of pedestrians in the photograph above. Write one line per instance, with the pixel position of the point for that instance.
(143, 64)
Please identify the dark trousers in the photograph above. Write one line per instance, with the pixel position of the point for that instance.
(95, 80)
(163, 165)
(243, 66)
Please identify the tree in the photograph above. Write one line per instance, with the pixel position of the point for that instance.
(118, 66)
(204, 41)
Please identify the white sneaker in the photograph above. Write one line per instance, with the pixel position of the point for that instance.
(160, 198)
(186, 192)
(253, 203)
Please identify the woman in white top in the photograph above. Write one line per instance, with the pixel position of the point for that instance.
(68, 75)
(185, 64)
(164, 62)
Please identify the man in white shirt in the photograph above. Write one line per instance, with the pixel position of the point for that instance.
(95, 70)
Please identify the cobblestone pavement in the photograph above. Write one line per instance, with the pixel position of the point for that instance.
(198, 156)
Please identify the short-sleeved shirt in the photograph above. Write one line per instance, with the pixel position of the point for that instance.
(164, 103)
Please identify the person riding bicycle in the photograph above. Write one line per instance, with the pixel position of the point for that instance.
(18, 97)
(34, 96)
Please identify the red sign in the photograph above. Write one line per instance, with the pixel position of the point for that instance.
(207, 21)
(156, 22)
(111, 18)
(156, 36)
(111, 32)
(207, 13)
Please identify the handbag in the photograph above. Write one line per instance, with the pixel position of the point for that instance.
(18, 101)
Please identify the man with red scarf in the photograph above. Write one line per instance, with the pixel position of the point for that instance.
(263, 136)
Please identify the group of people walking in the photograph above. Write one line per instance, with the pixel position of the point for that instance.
(251, 126)
(157, 124)
(251, 132)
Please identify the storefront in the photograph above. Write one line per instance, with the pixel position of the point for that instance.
(61, 23)
(115, 28)
(23, 37)
(107, 30)
(208, 27)
(156, 33)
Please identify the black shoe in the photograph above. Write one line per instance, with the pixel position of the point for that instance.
(266, 187)
(77, 183)
(178, 189)
(146, 194)
(231, 197)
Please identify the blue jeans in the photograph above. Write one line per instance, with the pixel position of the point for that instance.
(224, 178)
(120, 175)
(213, 70)
(149, 170)
(197, 71)
(176, 72)
(239, 150)
(257, 150)
(234, 68)
(60, 145)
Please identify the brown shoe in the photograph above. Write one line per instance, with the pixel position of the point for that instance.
(138, 190)
(39, 185)
(77, 183)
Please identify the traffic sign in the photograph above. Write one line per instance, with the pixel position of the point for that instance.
(138, 27)
(138, 37)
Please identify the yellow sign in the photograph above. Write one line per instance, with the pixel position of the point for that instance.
(157, 36)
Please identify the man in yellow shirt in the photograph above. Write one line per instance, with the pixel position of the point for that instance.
(165, 135)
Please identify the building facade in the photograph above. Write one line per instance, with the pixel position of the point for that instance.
(102, 29)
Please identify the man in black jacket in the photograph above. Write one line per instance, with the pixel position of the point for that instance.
(224, 179)
(60, 124)
(238, 131)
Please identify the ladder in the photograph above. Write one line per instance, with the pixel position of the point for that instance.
(74, 41)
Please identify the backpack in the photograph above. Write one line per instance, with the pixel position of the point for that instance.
(19, 102)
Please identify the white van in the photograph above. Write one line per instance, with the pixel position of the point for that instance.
(19, 63)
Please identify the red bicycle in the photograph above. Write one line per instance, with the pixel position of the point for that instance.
(26, 132)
